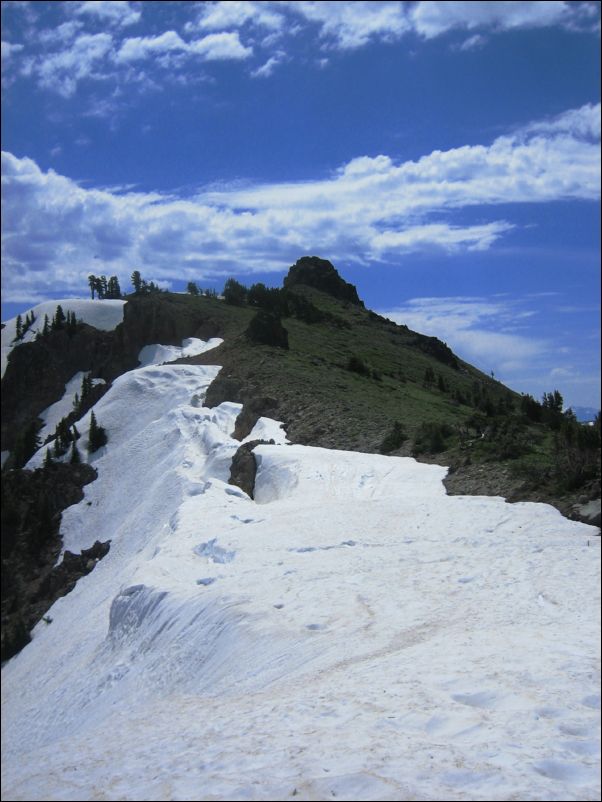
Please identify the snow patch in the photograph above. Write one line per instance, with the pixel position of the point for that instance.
(160, 354)
(104, 315)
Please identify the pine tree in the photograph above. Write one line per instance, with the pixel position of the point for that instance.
(97, 436)
(46, 327)
(27, 443)
(19, 328)
(59, 318)
(429, 376)
(192, 288)
(71, 324)
(48, 461)
(76, 402)
(92, 284)
(75, 458)
(86, 387)
(136, 281)
(113, 288)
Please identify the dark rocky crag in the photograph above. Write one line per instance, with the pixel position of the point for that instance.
(321, 274)
(32, 505)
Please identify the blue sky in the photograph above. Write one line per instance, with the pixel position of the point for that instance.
(445, 156)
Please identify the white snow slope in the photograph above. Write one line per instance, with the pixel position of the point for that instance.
(104, 315)
(352, 633)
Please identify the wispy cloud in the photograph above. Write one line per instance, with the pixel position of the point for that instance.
(432, 18)
(265, 70)
(111, 12)
(9, 49)
(503, 335)
(61, 71)
(483, 331)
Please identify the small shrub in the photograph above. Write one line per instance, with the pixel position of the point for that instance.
(394, 439)
(431, 438)
(267, 329)
(357, 365)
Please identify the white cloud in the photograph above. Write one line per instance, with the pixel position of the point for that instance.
(270, 65)
(513, 169)
(438, 235)
(140, 47)
(353, 25)
(432, 18)
(475, 328)
(62, 34)
(235, 14)
(8, 50)
(473, 42)
(116, 12)
(214, 46)
(370, 209)
(218, 46)
(582, 123)
(62, 71)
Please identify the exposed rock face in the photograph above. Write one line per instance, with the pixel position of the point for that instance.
(437, 349)
(255, 408)
(46, 365)
(244, 467)
(32, 503)
(63, 578)
(322, 275)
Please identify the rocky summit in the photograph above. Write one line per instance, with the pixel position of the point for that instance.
(321, 275)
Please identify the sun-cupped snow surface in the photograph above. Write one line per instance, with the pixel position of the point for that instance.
(105, 315)
(352, 633)
(159, 354)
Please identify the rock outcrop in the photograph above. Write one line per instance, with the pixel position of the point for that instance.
(321, 275)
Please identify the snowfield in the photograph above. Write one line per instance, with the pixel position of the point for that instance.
(352, 633)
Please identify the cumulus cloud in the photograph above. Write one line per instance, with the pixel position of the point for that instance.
(370, 209)
(215, 46)
(218, 46)
(221, 16)
(353, 25)
(140, 47)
